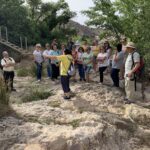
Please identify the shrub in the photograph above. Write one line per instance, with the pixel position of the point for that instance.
(32, 70)
(75, 123)
(23, 72)
(35, 95)
(4, 96)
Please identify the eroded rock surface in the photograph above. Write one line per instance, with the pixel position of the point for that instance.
(95, 119)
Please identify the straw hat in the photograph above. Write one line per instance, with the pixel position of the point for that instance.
(131, 45)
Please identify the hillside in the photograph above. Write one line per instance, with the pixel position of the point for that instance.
(83, 30)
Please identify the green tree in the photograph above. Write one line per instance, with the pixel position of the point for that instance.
(13, 15)
(103, 15)
(45, 17)
(124, 17)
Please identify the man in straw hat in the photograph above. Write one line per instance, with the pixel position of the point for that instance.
(131, 65)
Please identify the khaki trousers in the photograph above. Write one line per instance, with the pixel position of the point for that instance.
(130, 89)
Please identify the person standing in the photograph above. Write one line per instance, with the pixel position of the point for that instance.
(63, 47)
(65, 62)
(95, 50)
(88, 63)
(54, 42)
(117, 63)
(80, 64)
(131, 66)
(102, 59)
(8, 64)
(122, 70)
(124, 43)
(108, 49)
(75, 56)
(47, 61)
(85, 45)
(55, 63)
(38, 59)
(70, 44)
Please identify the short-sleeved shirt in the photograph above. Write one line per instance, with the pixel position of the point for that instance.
(101, 62)
(95, 50)
(38, 56)
(87, 57)
(65, 61)
(45, 53)
(80, 58)
(129, 61)
(5, 61)
(119, 63)
(109, 50)
(55, 53)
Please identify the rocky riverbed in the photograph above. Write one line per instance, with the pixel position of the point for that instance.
(95, 119)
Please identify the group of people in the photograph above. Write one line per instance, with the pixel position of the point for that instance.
(84, 59)
(89, 60)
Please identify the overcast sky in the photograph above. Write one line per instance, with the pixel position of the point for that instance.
(77, 6)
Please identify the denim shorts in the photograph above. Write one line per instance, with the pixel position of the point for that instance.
(87, 69)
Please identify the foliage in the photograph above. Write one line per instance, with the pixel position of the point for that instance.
(75, 123)
(45, 17)
(4, 96)
(36, 94)
(22, 72)
(103, 15)
(123, 17)
(35, 20)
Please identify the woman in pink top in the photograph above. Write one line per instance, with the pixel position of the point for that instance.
(102, 59)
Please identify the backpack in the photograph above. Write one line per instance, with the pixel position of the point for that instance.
(138, 74)
(140, 70)
(71, 69)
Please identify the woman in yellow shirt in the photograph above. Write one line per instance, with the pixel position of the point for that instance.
(65, 62)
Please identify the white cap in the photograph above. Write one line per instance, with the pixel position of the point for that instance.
(38, 45)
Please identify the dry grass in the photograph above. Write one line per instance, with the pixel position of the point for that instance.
(36, 94)
(4, 99)
(4, 95)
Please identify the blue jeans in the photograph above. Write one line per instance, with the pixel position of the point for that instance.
(87, 69)
(39, 71)
(115, 76)
(49, 70)
(81, 71)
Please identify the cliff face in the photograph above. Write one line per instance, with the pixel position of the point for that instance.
(95, 119)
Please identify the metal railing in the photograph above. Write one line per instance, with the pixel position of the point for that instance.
(21, 42)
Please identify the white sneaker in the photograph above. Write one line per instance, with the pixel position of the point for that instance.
(38, 81)
(100, 83)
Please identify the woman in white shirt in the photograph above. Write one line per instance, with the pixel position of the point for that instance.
(80, 64)
(38, 59)
(102, 59)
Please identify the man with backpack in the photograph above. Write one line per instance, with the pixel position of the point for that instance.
(8, 64)
(132, 64)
